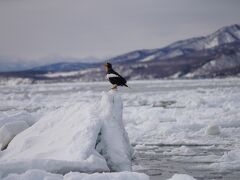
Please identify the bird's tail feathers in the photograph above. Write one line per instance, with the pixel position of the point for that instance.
(127, 86)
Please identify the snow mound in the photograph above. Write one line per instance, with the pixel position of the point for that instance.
(181, 177)
(85, 137)
(42, 175)
(9, 130)
(212, 130)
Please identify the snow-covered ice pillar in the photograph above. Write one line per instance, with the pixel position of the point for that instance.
(114, 145)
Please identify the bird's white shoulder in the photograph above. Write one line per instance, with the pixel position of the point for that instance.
(111, 75)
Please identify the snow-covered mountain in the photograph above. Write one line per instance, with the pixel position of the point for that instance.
(222, 36)
(214, 55)
(225, 35)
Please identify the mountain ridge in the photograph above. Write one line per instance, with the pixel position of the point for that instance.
(197, 57)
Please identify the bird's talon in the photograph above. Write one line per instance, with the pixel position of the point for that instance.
(114, 87)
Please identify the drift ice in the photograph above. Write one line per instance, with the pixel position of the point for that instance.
(66, 140)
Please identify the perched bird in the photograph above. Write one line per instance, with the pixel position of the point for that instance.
(113, 77)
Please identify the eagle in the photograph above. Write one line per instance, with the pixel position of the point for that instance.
(113, 77)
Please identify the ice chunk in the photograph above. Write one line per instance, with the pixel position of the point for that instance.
(65, 140)
(181, 177)
(9, 130)
(61, 141)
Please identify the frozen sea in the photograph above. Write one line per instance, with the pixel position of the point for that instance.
(175, 126)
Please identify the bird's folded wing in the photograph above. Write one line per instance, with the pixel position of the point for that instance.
(123, 79)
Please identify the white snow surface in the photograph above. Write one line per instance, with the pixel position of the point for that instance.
(148, 58)
(42, 175)
(64, 140)
(181, 177)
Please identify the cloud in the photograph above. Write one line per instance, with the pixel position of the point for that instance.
(33, 29)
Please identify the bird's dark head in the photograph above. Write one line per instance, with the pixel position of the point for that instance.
(108, 66)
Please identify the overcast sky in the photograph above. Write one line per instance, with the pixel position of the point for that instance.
(39, 30)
